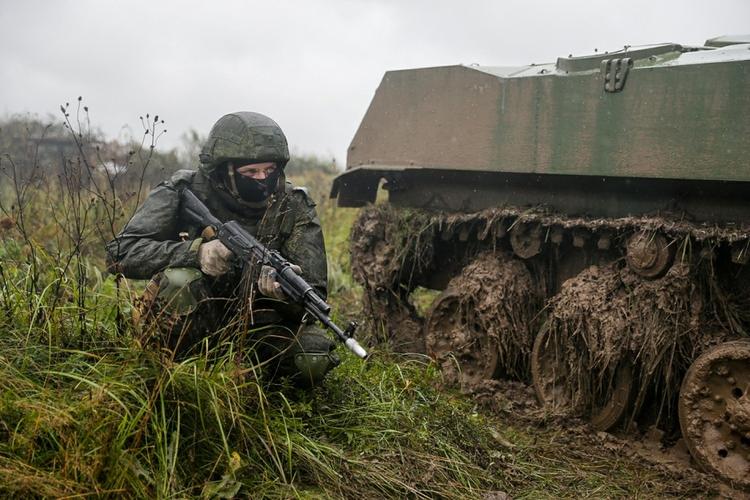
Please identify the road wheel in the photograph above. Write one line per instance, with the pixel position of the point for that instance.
(714, 409)
(455, 339)
(552, 382)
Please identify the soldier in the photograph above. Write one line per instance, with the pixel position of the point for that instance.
(198, 290)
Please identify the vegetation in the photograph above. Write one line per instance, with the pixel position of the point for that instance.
(87, 411)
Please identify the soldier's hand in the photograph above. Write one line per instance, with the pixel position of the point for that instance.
(214, 258)
(267, 284)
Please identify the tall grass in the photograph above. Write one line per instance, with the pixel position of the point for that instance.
(103, 415)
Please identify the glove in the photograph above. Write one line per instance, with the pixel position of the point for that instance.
(267, 284)
(214, 258)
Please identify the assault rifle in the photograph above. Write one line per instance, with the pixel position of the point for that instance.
(247, 248)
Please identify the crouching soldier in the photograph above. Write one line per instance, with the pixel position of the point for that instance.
(198, 290)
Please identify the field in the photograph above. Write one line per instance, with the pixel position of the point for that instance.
(86, 410)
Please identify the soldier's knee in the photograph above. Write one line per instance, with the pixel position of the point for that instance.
(169, 309)
(313, 356)
(180, 289)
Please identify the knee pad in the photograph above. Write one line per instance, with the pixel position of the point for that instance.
(180, 290)
(169, 307)
(313, 357)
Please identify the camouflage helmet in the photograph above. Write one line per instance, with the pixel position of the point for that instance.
(244, 136)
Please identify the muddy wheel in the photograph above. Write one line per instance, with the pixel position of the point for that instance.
(714, 409)
(526, 240)
(649, 254)
(549, 371)
(465, 352)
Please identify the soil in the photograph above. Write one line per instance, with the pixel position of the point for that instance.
(607, 315)
(516, 403)
(496, 296)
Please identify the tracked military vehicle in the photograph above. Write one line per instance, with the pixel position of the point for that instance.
(588, 223)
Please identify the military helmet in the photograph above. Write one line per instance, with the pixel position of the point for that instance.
(244, 136)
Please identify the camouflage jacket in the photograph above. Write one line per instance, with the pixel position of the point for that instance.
(150, 242)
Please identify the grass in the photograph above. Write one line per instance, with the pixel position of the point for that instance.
(87, 411)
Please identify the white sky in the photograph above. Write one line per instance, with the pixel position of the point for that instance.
(311, 65)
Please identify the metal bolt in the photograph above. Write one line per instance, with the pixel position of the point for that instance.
(731, 380)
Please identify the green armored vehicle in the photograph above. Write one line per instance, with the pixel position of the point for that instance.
(588, 223)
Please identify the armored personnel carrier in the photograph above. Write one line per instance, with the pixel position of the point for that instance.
(588, 223)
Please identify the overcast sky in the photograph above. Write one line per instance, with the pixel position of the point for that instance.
(313, 66)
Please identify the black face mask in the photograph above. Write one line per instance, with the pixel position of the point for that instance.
(254, 190)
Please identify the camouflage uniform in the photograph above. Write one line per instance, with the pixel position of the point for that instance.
(190, 308)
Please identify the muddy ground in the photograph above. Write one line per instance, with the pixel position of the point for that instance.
(515, 403)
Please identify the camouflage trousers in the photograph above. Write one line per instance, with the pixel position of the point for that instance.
(184, 311)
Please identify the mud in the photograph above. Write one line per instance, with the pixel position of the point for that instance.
(394, 321)
(389, 248)
(483, 325)
(597, 318)
(489, 220)
(606, 315)
(715, 411)
(515, 402)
